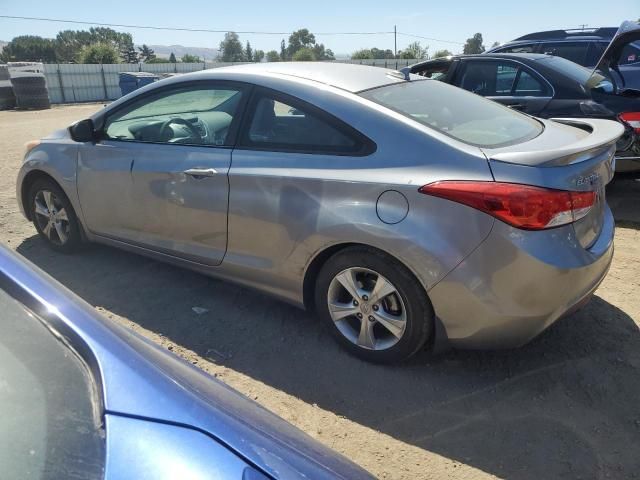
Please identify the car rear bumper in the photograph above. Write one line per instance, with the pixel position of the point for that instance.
(517, 283)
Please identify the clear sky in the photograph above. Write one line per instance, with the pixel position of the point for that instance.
(500, 20)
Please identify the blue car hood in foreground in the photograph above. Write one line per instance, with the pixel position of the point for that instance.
(139, 379)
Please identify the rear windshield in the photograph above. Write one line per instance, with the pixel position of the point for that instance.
(572, 70)
(457, 113)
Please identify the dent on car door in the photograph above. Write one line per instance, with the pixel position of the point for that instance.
(171, 151)
(507, 82)
(281, 191)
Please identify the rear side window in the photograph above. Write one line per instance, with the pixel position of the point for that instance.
(498, 78)
(528, 86)
(282, 123)
(457, 113)
(574, 51)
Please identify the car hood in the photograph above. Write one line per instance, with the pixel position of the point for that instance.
(137, 378)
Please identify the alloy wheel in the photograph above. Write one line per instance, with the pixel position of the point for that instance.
(51, 217)
(367, 308)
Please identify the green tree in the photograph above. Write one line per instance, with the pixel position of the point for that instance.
(495, 44)
(258, 55)
(29, 48)
(474, 45)
(273, 56)
(172, 58)
(414, 51)
(188, 58)
(373, 53)
(304, 54)
(146, 53)
(283, 51)
(69, 43)
(320, 53)
(248, 53)
(442, 53)
(298, 40)
(231, 49)
(158, 60)
(99, 53)
(364, 54)
(128, 52)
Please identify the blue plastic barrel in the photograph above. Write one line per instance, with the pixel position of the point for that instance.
(130, 81)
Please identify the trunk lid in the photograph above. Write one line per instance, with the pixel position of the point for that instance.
(621, 58)
(570, 154)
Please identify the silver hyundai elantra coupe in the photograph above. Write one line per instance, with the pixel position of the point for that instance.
(407, 213)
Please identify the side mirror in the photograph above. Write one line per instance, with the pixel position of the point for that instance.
(83, 131)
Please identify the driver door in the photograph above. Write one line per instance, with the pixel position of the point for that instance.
(176, 148)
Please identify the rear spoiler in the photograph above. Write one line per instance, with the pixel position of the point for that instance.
(603, 134)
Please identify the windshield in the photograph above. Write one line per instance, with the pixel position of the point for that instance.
(48, 427)
(457, 113)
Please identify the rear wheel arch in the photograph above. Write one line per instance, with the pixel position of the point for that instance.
(318, 261)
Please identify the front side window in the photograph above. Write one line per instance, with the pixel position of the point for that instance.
(194, 115)
(283, 124)
(457, 113)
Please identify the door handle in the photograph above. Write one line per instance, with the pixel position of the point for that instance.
(201, 172)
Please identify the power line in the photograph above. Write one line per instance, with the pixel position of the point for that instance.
(207, 30)
(430, 38)
(179, 29)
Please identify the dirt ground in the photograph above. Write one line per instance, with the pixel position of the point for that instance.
(565, 406)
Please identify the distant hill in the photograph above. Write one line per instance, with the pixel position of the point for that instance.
(164, 51)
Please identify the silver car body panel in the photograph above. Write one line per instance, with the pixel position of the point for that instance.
(286, 209)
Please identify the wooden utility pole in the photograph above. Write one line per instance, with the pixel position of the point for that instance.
(395, 42)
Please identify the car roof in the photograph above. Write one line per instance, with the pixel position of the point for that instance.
(350, 77)
(571, 34)
(487, 56)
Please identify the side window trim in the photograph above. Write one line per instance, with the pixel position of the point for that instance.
(367, 146)
(244, 88)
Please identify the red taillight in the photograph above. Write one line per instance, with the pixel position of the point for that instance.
(632, 119)
(522, 206)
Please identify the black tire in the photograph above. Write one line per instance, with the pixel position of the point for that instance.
(74, 238)
(28, 79)
(31, 90)
(33, 103)
(419, 311)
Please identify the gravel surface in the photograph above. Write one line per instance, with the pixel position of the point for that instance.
(565, 406)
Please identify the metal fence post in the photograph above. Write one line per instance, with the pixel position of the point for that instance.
(64, 100)
(104, 83)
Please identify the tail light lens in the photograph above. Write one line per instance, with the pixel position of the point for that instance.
(632, 119)
(522, 206)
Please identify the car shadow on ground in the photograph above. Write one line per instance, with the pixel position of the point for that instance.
(564, 406)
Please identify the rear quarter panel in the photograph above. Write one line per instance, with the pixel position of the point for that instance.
(286, 208)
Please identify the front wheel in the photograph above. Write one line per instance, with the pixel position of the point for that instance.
(374, 305)
(53, 216)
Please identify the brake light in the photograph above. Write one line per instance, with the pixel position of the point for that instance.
(632, 119)
(522, 206)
